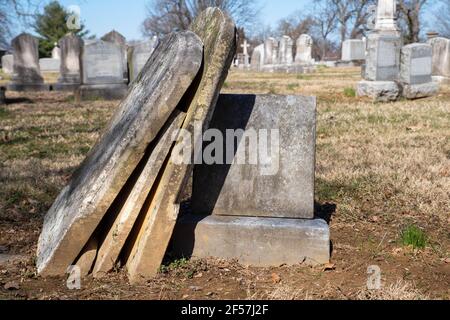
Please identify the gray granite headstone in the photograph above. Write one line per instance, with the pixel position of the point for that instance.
(416, 64)
(139, 55)
(415, 71)
(102, 72)
(383, 57)
(353, 50)
(49, 64)
(118, 39)
(282, 187)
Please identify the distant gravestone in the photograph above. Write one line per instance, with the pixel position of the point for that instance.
(259, 218)
(8, 63)
(26, 74)
(102, 71)
(275, 52)
(353, 50)
(258, 57)
(381, 71)
(139, 55)
(70, 72)
(82, 205)
(268, 50)
(415, 71)
(49, 64)
(118, 39)
(56, 53)
(285, 54)
(441, 59)
(304, 50)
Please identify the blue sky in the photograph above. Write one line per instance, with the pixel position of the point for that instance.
(126, 16)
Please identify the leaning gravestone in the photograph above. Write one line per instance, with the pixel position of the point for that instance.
(218, 34)
(26, 74)
(415, 71)
(8, 63)
(260, 213)
(81, 206)
(139, 55)
(102, 72)
(441, 59)
(119, 40)
(70, 73)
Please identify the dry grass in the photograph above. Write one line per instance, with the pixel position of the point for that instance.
(401, 290)
(381, 166)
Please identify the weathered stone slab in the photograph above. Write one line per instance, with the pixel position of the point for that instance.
(86, 260)
(416, 64)
(353, 50)
(277, 182)
(285, 53)
(26, 71)
(423, 90)
(70, 72)
(8, 64)
(124, 221)
(139, 55)
(261, 242)
(383, 57)
(268, 50)
(382, 91)
(49, 64)
(218, 33)
(80, 207)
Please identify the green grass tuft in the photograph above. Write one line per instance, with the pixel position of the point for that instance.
(414, 236)
(350, 92)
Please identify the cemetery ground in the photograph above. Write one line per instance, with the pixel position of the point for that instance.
(382, 178)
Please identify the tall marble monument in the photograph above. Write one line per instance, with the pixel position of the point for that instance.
(383, 56)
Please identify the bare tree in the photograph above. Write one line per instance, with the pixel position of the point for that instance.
(165, 16)
(295, 25)
(410, 13)
(325, 23)
(442, 16)
(351, 16)
(12, 14)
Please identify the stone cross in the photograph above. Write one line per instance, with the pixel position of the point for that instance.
(386, 15)
(245, 47)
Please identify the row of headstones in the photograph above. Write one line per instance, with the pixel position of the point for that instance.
(90, 62)
(278, 54)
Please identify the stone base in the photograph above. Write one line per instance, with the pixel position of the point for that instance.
(101, 92)
(287, 68)
(441, 79)
(66, 86)
(382, 91)
(260, 242)
(420, 90)
(28, 87)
